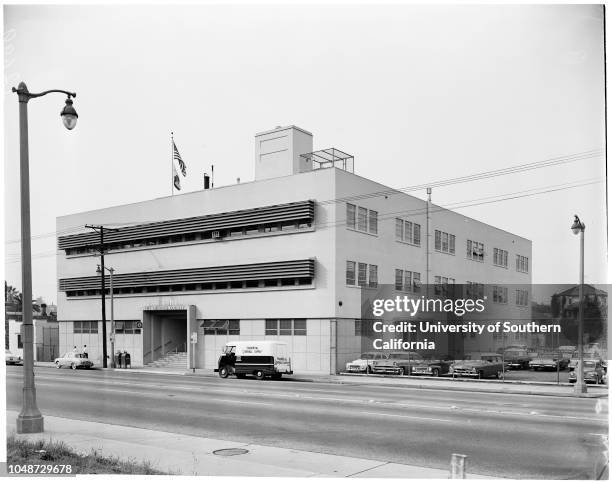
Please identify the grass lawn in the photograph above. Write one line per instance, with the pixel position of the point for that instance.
(21, 451)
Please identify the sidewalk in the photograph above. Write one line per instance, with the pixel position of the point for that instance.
(191, 455)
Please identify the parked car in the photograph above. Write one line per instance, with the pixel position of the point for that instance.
(11, 358)
(573, 362)
(517, 358)
(593, 372)
(400, 363)
(480, 365)
(73, 360)
(548, 361)
(366, 362)
(433, 366)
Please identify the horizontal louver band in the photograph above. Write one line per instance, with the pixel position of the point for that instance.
(301, 210)
(228, 273)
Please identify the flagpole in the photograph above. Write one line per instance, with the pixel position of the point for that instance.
(171, 161)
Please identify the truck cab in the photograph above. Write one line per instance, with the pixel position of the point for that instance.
(259, 358)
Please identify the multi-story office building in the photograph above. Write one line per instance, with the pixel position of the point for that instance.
(285, 256)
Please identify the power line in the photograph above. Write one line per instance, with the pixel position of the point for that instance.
(392, 191)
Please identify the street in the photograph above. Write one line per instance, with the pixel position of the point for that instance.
(519, 436)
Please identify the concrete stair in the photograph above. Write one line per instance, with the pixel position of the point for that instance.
(175, 360)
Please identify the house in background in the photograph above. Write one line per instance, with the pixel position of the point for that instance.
(46, 330)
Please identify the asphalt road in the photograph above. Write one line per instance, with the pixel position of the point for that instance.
(519, 436)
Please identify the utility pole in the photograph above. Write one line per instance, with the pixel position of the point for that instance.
(100, 229)
(427, 241)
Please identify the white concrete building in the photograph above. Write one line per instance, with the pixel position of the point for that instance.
(286, 256)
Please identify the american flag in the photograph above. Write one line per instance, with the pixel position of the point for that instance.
(177, 179)
(181, 163)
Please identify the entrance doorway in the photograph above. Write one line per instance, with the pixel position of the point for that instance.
(165, 342)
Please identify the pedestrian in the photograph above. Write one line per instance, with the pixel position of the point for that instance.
(85, 351)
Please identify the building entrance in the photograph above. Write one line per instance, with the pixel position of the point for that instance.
(165, 339)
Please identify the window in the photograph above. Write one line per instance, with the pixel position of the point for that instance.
(19, 342)
(350, 273)
(367, 275)
(407, 280)
(361, 219)
(444, 242)
(522, 297)
(416, 282)
(500, 294)
(500, 257)
(285, 326)
(399, 279)
(271, 327)
(127, 327)
(85, 327)
(373, 222)
(357, 327)
(522, 264)
(221, 327)
(350, 215)
(407, 231)
(475, 251)
(373, 279)
(299, 326)
(474, 290)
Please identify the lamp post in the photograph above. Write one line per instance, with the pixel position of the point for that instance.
(30, 420)
(111, 270)
(580, 386)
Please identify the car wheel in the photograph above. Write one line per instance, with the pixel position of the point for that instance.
(73, 366)
(259, 375)
(498, 374)
(368, 370)
(435, 372)
(223, 372)
(58, 365)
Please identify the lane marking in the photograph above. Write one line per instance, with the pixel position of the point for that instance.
(407, 417)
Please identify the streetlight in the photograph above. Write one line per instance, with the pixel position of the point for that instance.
(30, 420)
(580, 386)
(111, 270)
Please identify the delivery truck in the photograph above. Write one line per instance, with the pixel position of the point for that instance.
(260, 358)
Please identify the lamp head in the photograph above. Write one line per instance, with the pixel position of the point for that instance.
(69, 115)
(577, 226)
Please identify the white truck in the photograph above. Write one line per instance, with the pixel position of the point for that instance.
(260, 358)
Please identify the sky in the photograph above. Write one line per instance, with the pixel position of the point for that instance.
(416, 93)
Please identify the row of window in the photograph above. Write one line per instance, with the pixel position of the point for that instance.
(285, 326)
(361, 274)
(205, 235)
(407, 281)
(500, 257)
(361, 219)
(408, 232)
(187, 287)
(444, 242)
(121, 326)
(220, 326)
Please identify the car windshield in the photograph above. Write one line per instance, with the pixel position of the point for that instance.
(590, 364)
(367, 355)
(398, 356)
(80, 356)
